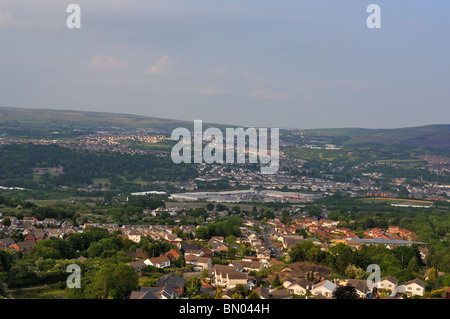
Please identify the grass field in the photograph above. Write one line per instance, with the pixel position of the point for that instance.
(397, 201)
(40, 292)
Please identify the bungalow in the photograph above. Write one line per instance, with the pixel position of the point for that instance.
(324, 288)
(159, 262)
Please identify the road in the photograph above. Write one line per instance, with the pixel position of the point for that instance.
(268, 231)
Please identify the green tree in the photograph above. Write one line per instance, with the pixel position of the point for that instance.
(202, 233)
(253, 295)
(6, 222)
(193, 286)
(345, 292)
(276, 281)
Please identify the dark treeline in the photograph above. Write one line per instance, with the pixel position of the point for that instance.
(81, 167)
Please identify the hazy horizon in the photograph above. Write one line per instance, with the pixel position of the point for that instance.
(288, 64)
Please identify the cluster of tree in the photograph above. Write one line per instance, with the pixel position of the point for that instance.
(106, 279)
(402, 262)
(81, 167)
(221, 227)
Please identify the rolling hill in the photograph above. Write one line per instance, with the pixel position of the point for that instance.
(29, 122)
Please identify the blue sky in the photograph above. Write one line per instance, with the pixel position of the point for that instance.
(296, 64)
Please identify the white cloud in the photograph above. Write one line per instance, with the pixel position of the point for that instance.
(106, 62)
(7, 19)
(163, 65)
(214, 91)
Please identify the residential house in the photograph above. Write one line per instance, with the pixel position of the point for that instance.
(177, 283)
(137, 265)
(50, 222)
(328, 223)
(227, 276)
(247, 265)
(267, 293)
(173, 254)
(360, 285)
(81, 259)
(199, 263)
(159, 262)
(217, 246)
(24, 246)
(388, 282)
(206, 252)
(193, 252)
(289, 241)
(324, 288)
(173, 238)
(153, 293)
(134, 236)
(412, 287)
(189, 246)
(32, 220)
(6, 242)
(53, 233)
(262, 252)
(138, 253)
(36, 235)
(298, 286)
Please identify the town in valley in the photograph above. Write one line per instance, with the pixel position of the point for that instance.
(111, 201)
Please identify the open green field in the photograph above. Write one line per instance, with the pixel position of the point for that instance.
(40, 292)
(194, 205)
(396, 201)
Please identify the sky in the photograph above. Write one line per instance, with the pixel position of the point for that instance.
(286, 64)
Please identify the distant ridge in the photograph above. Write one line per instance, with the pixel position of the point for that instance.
(435, 136)
(14, 119)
